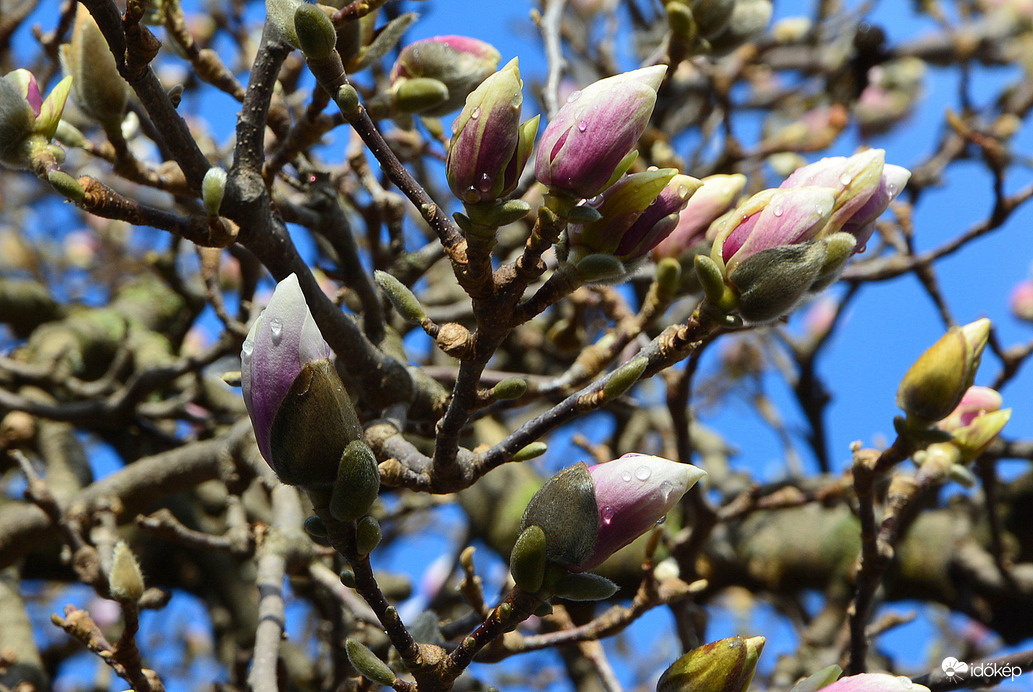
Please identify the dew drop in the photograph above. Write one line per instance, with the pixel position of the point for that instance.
(858, 250)
(845, 179)
(471, 195)
(607, 514)
(582, 126)
(247, 348)
(683, 192)
(626, 476)
(276, 327)
(661, 520)
(594, 201)
(891, 189)
(643, 473)
(666, 488)
(475, 113)
(778, 210)
(485, 183)
(820, 210)
(574, 96)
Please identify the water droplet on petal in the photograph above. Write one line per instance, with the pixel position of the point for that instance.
(666, 488)
(574, 96)
(778, 210)
(247, 348)
(661, 520)
(582, 126)
(861, 248)
(607, 514)
(683, 192)
(845, 179)
(891, 189)
(475, 113)
(485, 183)
(276, 327)
(643, 473)
(626, 476)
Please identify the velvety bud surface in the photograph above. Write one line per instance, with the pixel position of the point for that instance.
(726, 665)
(595, 130)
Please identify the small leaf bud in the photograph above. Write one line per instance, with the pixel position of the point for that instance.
(213, 188)
(527, 560)
(357, 484)
(367, 535)
(535, 449)
(316, 34)
(403, 300)
(584, 587)
(509, 388)
(367, 663)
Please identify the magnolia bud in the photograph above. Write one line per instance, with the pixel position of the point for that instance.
(367, 535)
(213, 188)
(722, 666)
(875, 682)
(125, 580)
(773, 281)
(97, 87)
(458, 63)
(590, 138)
(583, 587)
(587, 514)
(937, 381)
(403, 300)
(527, 560)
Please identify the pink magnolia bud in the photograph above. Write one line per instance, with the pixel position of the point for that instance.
(864, 186)
(302, 417)
(711, 200)
(1021, 301)
(636, 212)
(489, 147)
(458, 62)
(587, 514)
(27, 120)
(976, 421)
(587, 143)
(874, 682)
(770, 219)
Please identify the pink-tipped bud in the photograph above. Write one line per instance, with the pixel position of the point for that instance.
(460, 63)
(711, 200)
(585, 144)
(587, 514)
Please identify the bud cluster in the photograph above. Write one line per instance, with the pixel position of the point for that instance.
(782, 244)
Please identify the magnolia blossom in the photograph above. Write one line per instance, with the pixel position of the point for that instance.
(874, 682)
(589, 138)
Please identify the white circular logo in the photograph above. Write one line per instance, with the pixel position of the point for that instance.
(952, 667)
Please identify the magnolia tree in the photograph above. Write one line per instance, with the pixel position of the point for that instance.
(252, 372)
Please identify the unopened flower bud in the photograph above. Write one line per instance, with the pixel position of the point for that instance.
(589, 139)
(125, 580)
(97, 87)
(301, 414)
(316, 34)
(459, 63)
(875, 682)
(773, 281)
(587, 514)
(937, 381)
(28, 122)
(726, 665)
(976, 422)
(863, 184)
(711, 200)
(770, 219)
(489, 147)
(1021, 301)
